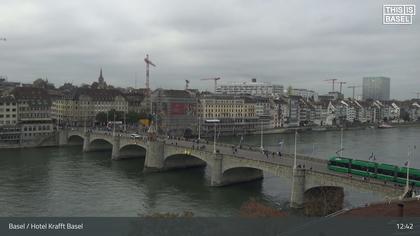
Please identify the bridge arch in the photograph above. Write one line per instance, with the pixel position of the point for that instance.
(183, 160)
(100, 144)
(241, 174)
(75, 139)
(132, 151)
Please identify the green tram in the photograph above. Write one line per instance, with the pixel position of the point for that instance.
(374, 170)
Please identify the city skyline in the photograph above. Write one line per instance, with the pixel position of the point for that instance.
(237, 41)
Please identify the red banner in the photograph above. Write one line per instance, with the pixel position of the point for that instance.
(178, 108)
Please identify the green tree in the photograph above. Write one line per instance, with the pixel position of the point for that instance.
(101, 117)
(132, 117)
(289, 90)
(404, 115)
(119, 115)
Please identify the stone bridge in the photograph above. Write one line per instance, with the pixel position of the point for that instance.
(229, 168)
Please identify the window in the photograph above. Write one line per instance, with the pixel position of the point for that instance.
(386, 172)
(340, 164)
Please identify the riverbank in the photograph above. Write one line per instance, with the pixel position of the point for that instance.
(47, 141)
(329, 128)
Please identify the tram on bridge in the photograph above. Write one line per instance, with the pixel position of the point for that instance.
(369, 169)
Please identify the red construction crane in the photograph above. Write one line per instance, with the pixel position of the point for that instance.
(149, 93)
(333, 83)
(148, 62)
(215, 82)
(341, 85)
(354, 88)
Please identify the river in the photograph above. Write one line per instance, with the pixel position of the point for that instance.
(67, 182)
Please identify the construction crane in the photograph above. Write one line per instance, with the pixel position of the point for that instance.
(148, 62)
(341, 86)
(333, 83)
(187, 82)
(215, 82)
(149, 93)
(354, 88)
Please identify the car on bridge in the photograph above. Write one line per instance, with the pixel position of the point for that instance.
(135, 136)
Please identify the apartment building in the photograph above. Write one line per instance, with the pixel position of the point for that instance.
(80, 107)
(34, 113)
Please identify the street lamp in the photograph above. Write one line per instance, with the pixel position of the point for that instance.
(214, 121)
(262, 136)
(295, 157)
(113, 128)
(199, 127)
(408, 167)
(341, 143)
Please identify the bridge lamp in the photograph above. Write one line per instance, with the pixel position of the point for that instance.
(214, 121)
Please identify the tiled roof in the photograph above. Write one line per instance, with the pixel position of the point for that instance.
(21, 93)
(95, 94)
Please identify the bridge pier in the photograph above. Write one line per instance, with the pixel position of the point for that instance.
(298, 188)
(154, 160)
(216, 171)
(116, 148)
(63, 137)
(86, 142)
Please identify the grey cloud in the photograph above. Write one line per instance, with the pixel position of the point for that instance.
(298, 43)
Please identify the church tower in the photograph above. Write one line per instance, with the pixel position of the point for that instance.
(101, 81)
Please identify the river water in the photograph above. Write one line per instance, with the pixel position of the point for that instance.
(67, 182)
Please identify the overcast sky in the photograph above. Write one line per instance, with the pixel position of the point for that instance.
(299, 43)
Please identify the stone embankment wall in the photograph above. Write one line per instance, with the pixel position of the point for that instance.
(322, 201)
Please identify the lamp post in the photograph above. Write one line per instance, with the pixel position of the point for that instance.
(408, 168)
(341, 143)
(295, 157)
(113, 127)
(125, 122)
(262, 136)
(199, 127)
(214, 121)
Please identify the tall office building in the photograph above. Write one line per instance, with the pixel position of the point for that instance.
(377, 88)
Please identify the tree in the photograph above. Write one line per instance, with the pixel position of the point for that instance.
(132, 117)
(40, 83)
(95, 85)
(67, 87)
(289, 90)
(405, 115)
(119, 115)
(101, 117)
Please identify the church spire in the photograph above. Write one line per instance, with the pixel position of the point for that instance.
(101, 78)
